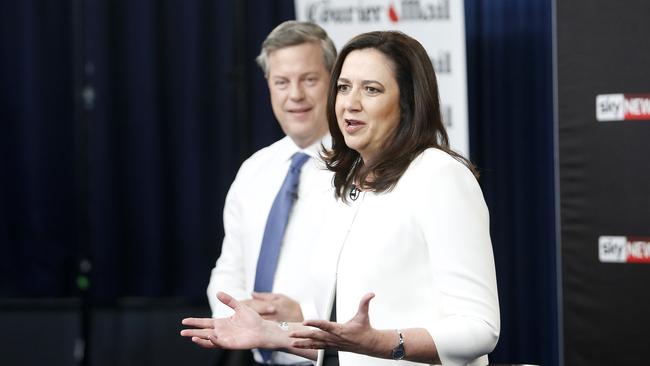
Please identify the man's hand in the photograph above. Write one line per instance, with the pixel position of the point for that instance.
(276, 307)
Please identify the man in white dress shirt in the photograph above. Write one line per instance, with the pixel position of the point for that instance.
(296, 58)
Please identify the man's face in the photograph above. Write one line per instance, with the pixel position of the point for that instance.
(298, 82)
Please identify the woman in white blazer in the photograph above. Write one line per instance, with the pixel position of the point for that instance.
(417, 235)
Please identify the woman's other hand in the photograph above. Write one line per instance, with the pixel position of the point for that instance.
(356, 335)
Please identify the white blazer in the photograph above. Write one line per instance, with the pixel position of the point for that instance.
(424, 249)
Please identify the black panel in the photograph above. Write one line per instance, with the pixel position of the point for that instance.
(603, 48)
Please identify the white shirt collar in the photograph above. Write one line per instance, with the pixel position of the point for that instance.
(314, 150)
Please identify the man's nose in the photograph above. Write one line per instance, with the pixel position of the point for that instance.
(296, 92)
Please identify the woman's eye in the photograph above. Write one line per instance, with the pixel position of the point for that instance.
(342, 88)
(372, 90)
(280, 83)
(311, 81)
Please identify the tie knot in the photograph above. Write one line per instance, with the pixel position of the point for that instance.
(297, 161)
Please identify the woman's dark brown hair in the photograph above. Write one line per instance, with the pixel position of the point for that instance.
(420, 126)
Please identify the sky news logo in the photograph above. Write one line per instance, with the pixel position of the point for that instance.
(622, 107)
(624, 249)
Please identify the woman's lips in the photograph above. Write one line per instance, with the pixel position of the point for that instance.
(353, 125)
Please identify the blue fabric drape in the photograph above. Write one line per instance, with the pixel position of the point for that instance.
(37, 164)
(509, 58)
(164, 140)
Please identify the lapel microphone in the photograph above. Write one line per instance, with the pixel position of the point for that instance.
(354, 192)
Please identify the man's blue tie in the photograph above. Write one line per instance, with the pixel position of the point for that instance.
(276, 224)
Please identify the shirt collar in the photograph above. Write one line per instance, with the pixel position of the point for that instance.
(314, 150)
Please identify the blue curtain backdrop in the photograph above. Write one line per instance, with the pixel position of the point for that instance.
(509, 59)
(178, 103)
(37, 165)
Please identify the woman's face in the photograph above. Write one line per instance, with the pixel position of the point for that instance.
(367, 102)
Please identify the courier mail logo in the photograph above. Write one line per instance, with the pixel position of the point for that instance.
(624, 249)
(347, 12)
(622, 107)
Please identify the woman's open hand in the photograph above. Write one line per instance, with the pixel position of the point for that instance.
(244, 330)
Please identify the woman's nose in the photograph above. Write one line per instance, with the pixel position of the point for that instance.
(352, 101)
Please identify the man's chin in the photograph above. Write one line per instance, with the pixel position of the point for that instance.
(299, 125)
(303, 137)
